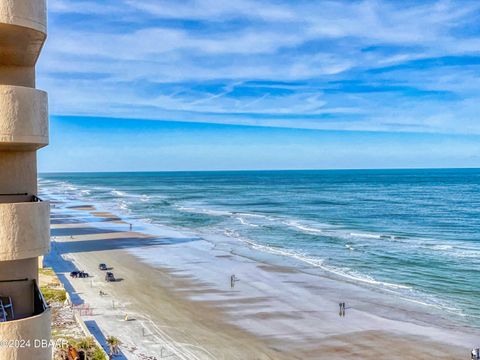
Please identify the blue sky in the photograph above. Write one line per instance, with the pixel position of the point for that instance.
(261, 84)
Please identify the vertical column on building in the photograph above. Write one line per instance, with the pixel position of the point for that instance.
(24, 219)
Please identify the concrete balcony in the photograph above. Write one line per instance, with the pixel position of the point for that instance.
(23, 118)
(31, 14)
(23, 25)
(24, 227)
(25, 335)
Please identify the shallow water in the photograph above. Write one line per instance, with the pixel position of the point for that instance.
(415, 233)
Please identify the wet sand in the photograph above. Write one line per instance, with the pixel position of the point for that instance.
(175, 291)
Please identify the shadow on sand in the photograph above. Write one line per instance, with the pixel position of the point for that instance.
(80, 231)
(83, 220)
(63, 266)
(119, 243)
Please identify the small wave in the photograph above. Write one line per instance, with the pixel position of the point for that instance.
(429, 301)
(303, 228)
(457, 251)
(468, 254)
(366, 235)
(123, 206)
(231, 233)
(244, 222)
(390, 237)
(252, 215)
(61, 187)
(442, 247)
(205, 211)
(356, 276)
(140, 197)
(320, 263)
(118, 193)
(216, 212)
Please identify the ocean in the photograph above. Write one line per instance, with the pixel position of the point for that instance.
(412, 233)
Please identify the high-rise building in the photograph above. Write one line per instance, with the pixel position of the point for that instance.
(25, 320)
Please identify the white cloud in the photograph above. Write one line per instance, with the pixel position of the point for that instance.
(213, 10)
(138, 48)
(82, 7)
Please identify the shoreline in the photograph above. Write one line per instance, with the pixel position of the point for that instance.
(262, 312)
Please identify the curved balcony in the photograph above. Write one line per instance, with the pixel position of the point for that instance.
(24, 227)
(25, 336)
(23, 118)
(23, 25)
(27, 13)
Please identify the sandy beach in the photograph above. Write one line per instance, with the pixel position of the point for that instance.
(174, 299)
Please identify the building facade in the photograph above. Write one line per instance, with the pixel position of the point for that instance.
(25, 320)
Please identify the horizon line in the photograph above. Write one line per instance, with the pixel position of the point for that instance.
(257, 170)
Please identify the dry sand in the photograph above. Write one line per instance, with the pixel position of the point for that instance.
(175, 291)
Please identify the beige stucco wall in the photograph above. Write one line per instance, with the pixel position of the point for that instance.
(23, 31)
(27, 13)
(17, 75)
(24, 225)
(19, 269)
(29, 331)
(21, 292)
(23, 118)
(18, 172)
(24, 230)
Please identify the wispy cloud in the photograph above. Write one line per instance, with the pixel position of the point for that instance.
(356, 65)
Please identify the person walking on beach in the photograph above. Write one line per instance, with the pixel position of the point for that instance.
(233, 279)
(130, 227)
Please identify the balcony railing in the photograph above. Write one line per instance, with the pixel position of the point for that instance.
(39, 303)
(18, 198)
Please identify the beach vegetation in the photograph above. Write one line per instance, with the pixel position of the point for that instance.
(75, 346)
(90, 348)
(113, 344)
(53, 295)
(46, 272)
